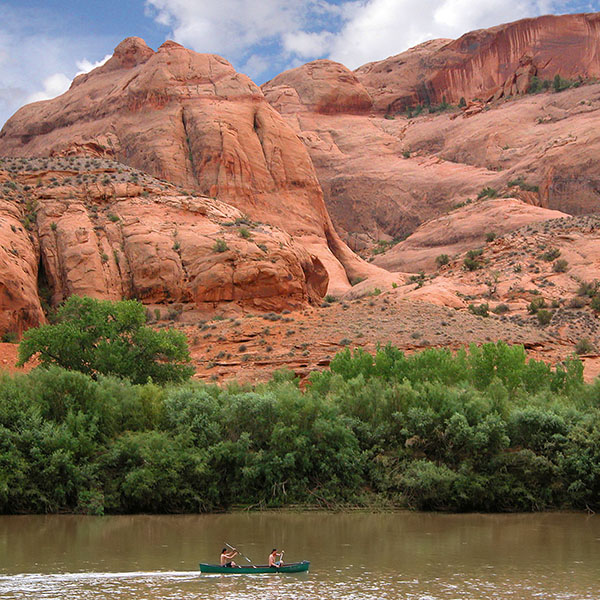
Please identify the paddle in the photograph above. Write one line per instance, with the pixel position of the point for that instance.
(243, 555)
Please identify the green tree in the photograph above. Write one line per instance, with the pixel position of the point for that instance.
(110, 338)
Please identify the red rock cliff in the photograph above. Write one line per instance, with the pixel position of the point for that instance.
(193, 120)
(481, 63)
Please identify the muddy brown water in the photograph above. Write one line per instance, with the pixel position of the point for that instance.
(353, 556)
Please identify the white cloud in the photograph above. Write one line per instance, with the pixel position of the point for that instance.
(352, 32)
(85, 66)
(34, 63)
(52, 86)
(387, 27)
(59, 83)
(308, 44)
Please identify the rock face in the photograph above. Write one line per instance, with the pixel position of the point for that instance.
(193, 120)
(320, 86)
(461, 230)
(486, 63)
(383, 177)
(100, 229)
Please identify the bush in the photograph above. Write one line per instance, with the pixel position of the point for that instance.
(109, 338)
(490, 236)
(560, 266)
(587, 288)
(501, 309)
(544, 316)
(535, 305)
(487, 192)
(472, 262)
(550, 255)
(481, 310)
(576, 302)
(442, 259)
(584, 346)
(220, 246)
(481, 429)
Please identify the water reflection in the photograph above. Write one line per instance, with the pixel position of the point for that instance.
(353, 556)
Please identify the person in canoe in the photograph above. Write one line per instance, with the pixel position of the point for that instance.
(227, 557)
(273, 562)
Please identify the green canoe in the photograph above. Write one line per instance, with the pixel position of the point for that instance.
(298, 567)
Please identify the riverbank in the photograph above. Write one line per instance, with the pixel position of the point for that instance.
(484, 430)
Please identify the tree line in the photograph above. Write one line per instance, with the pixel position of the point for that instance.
(482, 429)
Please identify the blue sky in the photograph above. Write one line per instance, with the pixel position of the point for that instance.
(44, 44)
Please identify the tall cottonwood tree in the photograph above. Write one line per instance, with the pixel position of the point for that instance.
(109, 338)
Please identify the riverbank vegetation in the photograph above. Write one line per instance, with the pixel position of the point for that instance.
(483, 429)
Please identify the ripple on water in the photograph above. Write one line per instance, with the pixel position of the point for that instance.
(188, 585)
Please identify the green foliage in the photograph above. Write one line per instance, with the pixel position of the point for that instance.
(220, 246)
(501, 309)
(110, 338)
(442, 259)
(487, 192)
(482, 429)
(535, 305)
(584, 346)
(550, 255)
(587, 288)
(10, 337)
(462, 102)
(472, 261)
(543, 316)
(559, 84)
(481, 310)
(560, 266)
(520, 182)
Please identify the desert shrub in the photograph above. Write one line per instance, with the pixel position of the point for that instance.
(576, 302)
(490, 236)
(501, 309)
(442, 259)
(544, 316)
(560, 266)
(220, 246)
(584, 346)
(587, 288)
(487, 192)
(472, 261)
(550, 255)
(481, 310)
(535, 305)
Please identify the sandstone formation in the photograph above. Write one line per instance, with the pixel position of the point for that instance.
(97, 228)
(383, 177)
(321, 86)
(193, 120)
(486, 63)
(463, 229)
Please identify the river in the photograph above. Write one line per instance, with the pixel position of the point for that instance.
(362, 556)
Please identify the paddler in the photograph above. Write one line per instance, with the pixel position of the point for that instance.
(227, 557)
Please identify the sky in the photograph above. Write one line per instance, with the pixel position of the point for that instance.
(45, 43)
